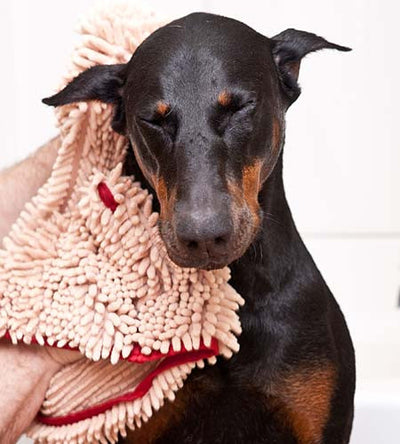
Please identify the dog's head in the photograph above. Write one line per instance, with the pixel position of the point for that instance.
(202, 101)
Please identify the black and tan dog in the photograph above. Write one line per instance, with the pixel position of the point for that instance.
(203, 101)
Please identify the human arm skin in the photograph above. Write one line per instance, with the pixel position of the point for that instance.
(25, 371)
(25, 375)
(19, 183)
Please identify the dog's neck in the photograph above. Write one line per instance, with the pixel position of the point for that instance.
(277, 255)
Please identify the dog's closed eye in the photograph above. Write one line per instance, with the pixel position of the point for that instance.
(161, 123)
(228, 114)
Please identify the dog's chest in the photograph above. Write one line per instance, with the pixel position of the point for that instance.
(210, 398)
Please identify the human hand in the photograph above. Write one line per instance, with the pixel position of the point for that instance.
(26, 371)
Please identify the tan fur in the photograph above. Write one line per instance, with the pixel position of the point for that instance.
(224, 98)
(166, 198)
(251, 186)
(162, 108)
(305, 396)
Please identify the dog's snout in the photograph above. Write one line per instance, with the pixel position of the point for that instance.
(204, 233)
(197, 229)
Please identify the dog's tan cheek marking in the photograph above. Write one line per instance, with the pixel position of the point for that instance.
(224, 98)
(251, 185)
(166, 198)
(306, 400)
(162, 108)
(162, 195)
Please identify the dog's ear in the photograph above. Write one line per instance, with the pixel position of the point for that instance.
(101, 82)
(288, 48)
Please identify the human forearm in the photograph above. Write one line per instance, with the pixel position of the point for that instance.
(25, 375)
(25, 371)
(19, 183)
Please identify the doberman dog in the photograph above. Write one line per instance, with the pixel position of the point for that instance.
(202, 102)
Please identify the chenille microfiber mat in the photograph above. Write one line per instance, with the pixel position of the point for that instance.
(84, 268)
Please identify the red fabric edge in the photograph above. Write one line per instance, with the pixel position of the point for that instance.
(140, 390)
(172, 359)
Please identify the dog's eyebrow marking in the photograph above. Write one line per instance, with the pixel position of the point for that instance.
(224, 98)
(162, 108)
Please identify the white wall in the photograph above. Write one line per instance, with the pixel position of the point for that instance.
(342, 159)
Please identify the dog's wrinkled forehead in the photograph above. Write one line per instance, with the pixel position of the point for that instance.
(201, 52)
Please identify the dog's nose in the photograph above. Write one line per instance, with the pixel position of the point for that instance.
(205, 232)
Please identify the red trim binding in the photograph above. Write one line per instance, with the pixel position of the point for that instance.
(106, 196)
(140, 390)
(172, 359)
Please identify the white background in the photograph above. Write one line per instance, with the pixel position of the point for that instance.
(342, 156)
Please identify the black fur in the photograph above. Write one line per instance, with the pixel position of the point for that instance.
(102, 82)
(292, 325)
(289, 48)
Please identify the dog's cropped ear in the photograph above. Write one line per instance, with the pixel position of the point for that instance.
(288, 48)
(101, 82)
